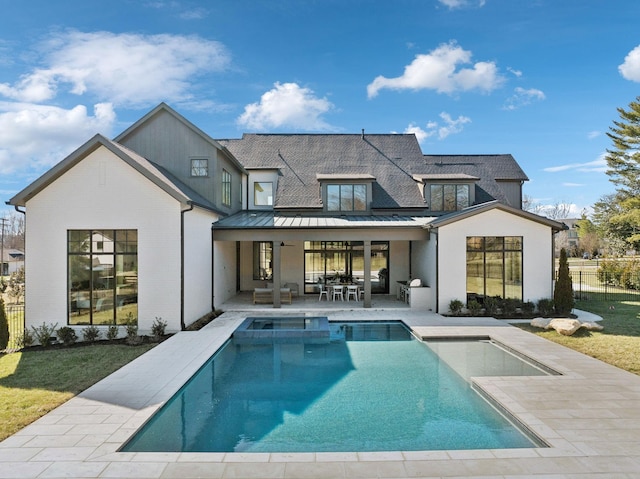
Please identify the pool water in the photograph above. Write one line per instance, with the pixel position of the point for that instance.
(373, 387)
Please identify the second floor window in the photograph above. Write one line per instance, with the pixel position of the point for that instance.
(263, 193)
(448, 197)
(199, 167)
(347, 197)
(226, 188)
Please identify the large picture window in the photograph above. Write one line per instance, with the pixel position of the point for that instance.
(347, 197)
(262, 260)
(448, 197)
(494, 267)
(102, 276)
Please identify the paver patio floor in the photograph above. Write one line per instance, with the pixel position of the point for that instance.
(589, 416)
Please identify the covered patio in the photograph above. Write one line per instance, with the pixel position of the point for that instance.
(267, 248)
(310, 302)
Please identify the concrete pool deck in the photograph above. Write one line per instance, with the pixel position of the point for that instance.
(589, 416)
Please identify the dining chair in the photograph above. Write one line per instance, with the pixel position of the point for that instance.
(325, 291)
(352, 290)
(338, 292)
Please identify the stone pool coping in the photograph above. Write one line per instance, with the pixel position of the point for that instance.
(589, 416)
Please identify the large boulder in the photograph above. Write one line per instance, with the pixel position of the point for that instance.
(565, 326)
(542, 323)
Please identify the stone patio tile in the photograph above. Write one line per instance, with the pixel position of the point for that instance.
(336, 456)
(74, 470)
(82, 419)
(63, 454)
(15, 441)
(247, 457)
(426, 455)
(45, 430)
(67, 440)
(293, 457)
(201, 457)
(382, 469)
(155, 457)
(93, 429)
(381, 456)
(133, 470)
(192, 470)
(318, 470)
(253, 471)
(13, 454)
(446, 468)
(20, 470)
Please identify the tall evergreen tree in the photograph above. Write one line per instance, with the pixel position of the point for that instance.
(563, 292)
(624, 159)
(621, 212)
(4, 327)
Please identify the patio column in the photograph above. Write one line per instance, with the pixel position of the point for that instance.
(367, 273)
(277, 250)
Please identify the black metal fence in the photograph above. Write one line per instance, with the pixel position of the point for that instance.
(15, 318)
(593, 284)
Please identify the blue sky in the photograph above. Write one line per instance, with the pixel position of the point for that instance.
(540, 79)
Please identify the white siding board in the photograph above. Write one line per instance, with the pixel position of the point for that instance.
(103, 192)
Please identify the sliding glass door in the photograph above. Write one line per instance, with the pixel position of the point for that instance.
(343, 262)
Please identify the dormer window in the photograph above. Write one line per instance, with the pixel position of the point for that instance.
(442, 192)
(346, 193)
(346, 197)
(448, 197)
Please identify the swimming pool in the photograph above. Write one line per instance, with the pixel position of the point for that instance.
(370, 387)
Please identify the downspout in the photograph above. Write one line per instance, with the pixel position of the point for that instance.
(182, 325)
(213, 276)
(437, 279)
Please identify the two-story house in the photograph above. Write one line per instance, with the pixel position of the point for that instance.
(166, 222)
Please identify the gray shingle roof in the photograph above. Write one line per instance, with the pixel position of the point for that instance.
(391, 159)
(395, 160)
(489, 168)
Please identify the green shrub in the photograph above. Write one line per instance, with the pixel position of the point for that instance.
(491, 305)
(474, 307)
(132, 331)
(563, 290)
(455, 306)
(158, 328)
(24, 340)
(112, 332)
(67, 335)
(4, 326)
(91, 333)
(528, 307)
(510, 306)
(545, 307)
(44, 332)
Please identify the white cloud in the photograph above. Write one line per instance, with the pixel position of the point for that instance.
(594, 134)
(433, 128)
(630, 69)
(37, 136)
(453, 4)
(597, 166)
(523, 97)
(441, 70)
(573, 185)
(287, 105)
(123, 69)
(516, 73)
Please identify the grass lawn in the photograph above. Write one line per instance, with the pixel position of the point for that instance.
(618, 344)
(32, 383)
